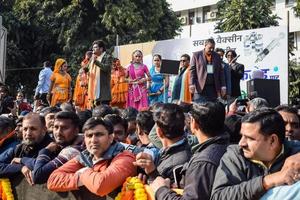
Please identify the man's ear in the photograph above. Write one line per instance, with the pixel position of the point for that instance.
(194, 125)
(274, 141)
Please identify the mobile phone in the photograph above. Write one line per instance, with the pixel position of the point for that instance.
(177, 175)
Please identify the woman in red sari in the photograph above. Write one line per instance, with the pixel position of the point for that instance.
(119, 86)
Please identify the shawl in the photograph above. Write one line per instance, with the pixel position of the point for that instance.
(58, 63)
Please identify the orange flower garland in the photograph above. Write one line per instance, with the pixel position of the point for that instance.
(5, 189)
(133, 189)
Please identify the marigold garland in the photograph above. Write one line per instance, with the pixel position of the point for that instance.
(5, 189)
(133, 189)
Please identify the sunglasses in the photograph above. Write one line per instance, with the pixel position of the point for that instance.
(183, 60)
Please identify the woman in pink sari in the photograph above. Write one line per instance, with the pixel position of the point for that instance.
(138, 75)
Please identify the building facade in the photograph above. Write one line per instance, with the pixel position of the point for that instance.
(200, 16)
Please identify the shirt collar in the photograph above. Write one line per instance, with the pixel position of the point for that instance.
(263, 165)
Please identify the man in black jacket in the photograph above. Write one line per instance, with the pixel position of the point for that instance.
(207, 123)
(169, 119)
(261, 161)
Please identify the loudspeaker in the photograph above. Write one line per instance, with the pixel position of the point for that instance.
(265, 88)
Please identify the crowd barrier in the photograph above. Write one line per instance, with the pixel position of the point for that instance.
(23, 191)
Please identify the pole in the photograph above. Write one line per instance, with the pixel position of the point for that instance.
(288, 29)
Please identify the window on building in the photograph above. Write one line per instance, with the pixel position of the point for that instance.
(205, 12)
(289, 2)
(191, 17)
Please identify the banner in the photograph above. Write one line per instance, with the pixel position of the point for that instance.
(264, 49)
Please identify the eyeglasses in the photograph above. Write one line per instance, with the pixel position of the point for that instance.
(183, 60)
(156, 60)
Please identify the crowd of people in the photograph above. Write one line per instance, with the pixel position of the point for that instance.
(118, 123)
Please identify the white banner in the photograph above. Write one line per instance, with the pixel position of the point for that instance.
(265, 49)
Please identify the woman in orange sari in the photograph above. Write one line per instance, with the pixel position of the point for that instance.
(119, 87)
(60, 87)
(80, 97)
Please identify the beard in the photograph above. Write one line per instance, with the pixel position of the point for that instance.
(29, 142)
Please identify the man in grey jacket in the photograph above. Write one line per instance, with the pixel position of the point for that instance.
(261, 161)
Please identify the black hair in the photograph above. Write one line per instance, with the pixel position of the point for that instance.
(210, 117)
(83, 117)
(145, 121)
(68, 115)
(157, 55)
(170, 119)
(94, 121)
(116, 119)
(287, 108)
(102, 110)
(270, 122)
(47, 110)
(233, 126)
(129, 114)
(115, 59)
(100, 44)
(186, 107)
(66, 106)
(5, 88)
(6, 123)
(47, 64)
(232, 51)
(186, 56)
(210, 40)
(220, 50)
(116, 110)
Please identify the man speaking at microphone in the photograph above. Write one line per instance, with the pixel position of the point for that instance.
(99, 91)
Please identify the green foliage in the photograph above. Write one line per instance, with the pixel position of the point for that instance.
(235, 15)
(297, 8)
(40, 30)
(294, 82)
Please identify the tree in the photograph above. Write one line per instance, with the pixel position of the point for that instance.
(294, 67)
(40, 30)
(236, 15)
(297, 8)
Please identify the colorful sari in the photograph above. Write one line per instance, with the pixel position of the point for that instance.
(157, 82)
(80, 97)
(119, 88)
(61, 84)
(137, 92)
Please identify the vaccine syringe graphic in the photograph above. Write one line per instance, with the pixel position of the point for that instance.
(275, 42)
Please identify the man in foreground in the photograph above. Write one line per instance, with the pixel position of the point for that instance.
(261, 161)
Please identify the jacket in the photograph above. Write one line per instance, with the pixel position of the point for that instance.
(105, 77)
(8, 141)
(239, 178)
(199, 172)
(237, 73)
(171, 157)
(47, 161)
(23, 151)
(100, 178)
(199, 71)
